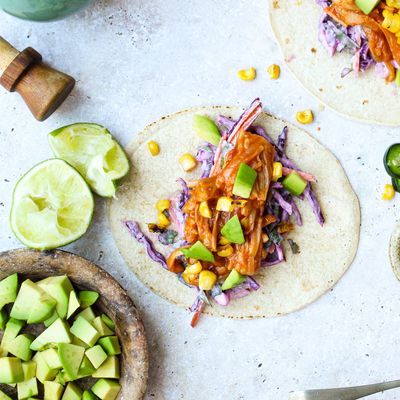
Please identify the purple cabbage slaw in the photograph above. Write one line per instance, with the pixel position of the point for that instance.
(335, 38)
(280, 203)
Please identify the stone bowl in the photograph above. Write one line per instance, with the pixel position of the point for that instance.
(113, 301)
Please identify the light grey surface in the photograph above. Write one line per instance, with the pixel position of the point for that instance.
(137, 60)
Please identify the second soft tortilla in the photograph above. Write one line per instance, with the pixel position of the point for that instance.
(326, 252)
(367, 98)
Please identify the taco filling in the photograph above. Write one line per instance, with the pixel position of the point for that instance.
(369, 29)
(221, 229)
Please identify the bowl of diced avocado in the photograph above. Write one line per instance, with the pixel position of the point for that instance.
(68, 331)
(42, 10)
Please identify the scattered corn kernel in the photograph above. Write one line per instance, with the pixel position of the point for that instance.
(277, 171)
(223, 241)
(265, 238)
(247, 74)
(188, 277)
(225, 251)
(305, 117)
(194, 268)
(154, 148)
(207, 280)
(388, 192)
(162, 219)
(274, 71)
(224, 204)
(205, 210)
(162, 205)
(187, 162)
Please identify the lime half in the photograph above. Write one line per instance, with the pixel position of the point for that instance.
(52, 206)
(91, 149)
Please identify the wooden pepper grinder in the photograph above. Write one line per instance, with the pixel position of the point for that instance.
(42, 87)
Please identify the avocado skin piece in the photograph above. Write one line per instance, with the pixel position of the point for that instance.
(233, 231)
(206, 129)
(106, 389)
(234, 279)
(367, 6)
(8, 290)
(244, 181)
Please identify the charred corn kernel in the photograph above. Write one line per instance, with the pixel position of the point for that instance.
(223, 241)
(187, 162)
(207, 280)
(388, 192)
(194, 268)
(205, 210)
(162, 205)
(247, 74)
(162, 219)
(305, 117)
(154, 148)
(274, 71)
(393, 3)
(225, 251)
(265, 238)
(277, 171)
(224, 204)
(188, 277)
(239, 203)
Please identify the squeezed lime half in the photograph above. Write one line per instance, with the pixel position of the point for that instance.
(52, 206)
(91, 149)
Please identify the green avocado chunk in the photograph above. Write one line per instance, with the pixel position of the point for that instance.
(367, 6)
(109, 369)
(244, 181)
(27, 389)
(13, 327)
(3, 318)
(73, 303)
(71, 358)
(233, 231)
(96, 355)
(106, 389)
(234, 279)
(72, 392)
(57, 332)
(294, 184)
(8, 290)
(199, 252)
(206, 129)
(20, 346)
(52, 390)
(87, 298)
(85, 331)
(11, 370)
(108, 321)
(110, 345)
(87, 395)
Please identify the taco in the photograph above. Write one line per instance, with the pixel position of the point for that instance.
(345, 52)
(264, 225)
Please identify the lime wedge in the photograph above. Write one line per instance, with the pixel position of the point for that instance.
(52, 206)
(91, 149)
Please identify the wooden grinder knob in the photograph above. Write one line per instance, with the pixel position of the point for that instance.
(42, 87)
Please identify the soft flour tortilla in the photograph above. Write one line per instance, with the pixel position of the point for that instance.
(366, 98)
(326, 252)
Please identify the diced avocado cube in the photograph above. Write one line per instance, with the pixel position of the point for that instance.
(206, 129)
(108, 321)
(62, 378)
(233, 231)
(11, 370)
(52, 358)
(87, 313)
(244, 181)
(86, 368)
(101, 327)
(367, 6)
(199, 252)
(79, 342)
(85, 331)
(71, 358)
(106, 389)
(43, 371)
(110, 345)
(13, 327)
(3, 396)
(73, 303)
(51, 319)
(87, 395)
(27, 389)
(57, 332)
(87, 298)
(8, 290)
(72, 392)
(3, 318)
(58, 287)
(294, 184)
(29, 368)
(96, 355)
(109, 369)
(20, 346)
(233, 279)
(52, 390)
(42, 309)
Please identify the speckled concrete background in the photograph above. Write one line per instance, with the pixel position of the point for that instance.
(137, 60)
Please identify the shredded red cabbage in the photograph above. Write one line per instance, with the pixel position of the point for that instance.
(205, 156)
